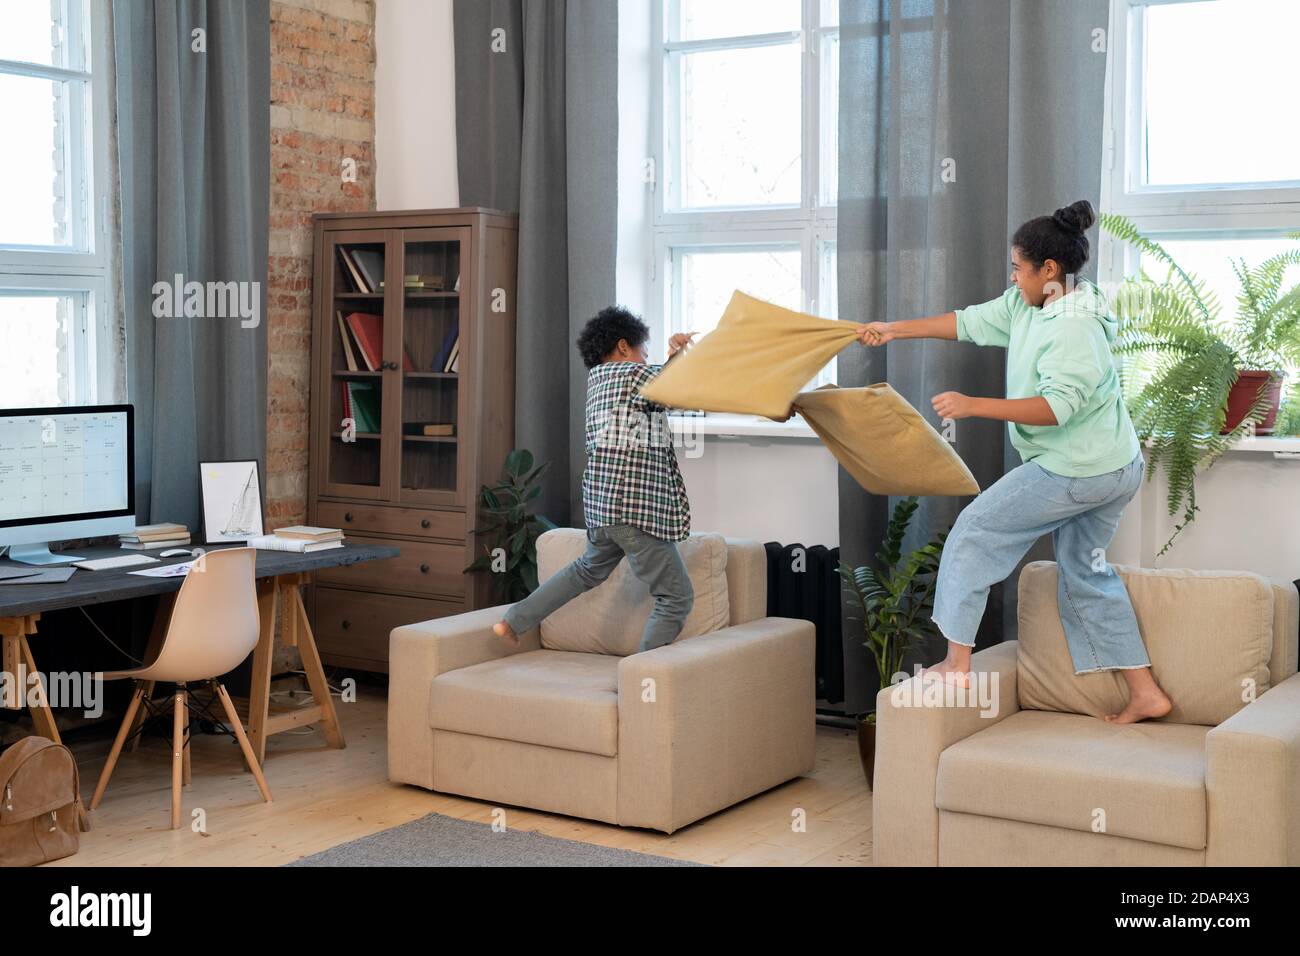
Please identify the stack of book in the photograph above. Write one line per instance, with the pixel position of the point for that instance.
(425, 282)
(148, 536)
(300, 538)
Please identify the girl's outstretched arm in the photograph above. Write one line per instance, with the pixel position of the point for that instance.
(1022, 411)
(932, 327)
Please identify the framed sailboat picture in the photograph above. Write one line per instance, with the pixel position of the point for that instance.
(232, 501)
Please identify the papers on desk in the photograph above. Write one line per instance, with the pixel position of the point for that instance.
(35, 575)
(166, 571)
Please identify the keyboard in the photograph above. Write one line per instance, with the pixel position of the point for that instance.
(110, 564)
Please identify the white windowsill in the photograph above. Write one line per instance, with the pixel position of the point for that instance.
(746, 426)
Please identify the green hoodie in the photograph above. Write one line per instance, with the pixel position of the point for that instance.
(1061, 352)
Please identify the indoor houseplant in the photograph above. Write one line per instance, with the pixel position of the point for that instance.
(1198, 380)
(510, 528)
(893, 603)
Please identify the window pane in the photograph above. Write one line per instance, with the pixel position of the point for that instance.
(36, 32)
(830, 119)
(710, 276)
(710, 19)
(33, 361)
(741, 114)
(1217, 77)
(35, 202)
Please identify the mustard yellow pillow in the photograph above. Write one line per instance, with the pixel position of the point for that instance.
(753, 363)
(883, 442)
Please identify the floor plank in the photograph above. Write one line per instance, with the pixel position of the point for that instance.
(324, 797)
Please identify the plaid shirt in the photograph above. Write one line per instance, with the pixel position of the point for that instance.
(631, 475)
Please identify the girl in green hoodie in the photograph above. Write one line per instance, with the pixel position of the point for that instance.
(1082, 460)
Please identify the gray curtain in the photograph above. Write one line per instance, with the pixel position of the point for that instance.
(193, 131)
(537, 134)
(959, 119)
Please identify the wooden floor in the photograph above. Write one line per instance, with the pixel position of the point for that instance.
(325, 797)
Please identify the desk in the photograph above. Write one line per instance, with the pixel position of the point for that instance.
(280, 575)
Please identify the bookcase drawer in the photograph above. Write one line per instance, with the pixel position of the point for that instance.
(373, 519)
(353, 626)
(425, 567)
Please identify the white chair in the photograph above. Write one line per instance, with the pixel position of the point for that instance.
(213, 627)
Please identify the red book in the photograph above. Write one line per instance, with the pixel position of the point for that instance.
(368, 330)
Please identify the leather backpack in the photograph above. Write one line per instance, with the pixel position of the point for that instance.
(40, 799)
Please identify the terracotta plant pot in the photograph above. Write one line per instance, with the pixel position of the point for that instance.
(867, 749)
(1242, 396)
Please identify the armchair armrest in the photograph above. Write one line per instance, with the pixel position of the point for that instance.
(910, 736)
(711, 720)
(1252, 782)
(417, 653)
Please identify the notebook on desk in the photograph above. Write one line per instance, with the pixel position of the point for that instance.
(43, 576)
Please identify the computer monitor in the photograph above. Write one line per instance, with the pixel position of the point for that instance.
(65, 472)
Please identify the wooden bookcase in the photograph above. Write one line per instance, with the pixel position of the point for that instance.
(388, 481)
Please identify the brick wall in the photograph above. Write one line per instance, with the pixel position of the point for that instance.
(322, 111)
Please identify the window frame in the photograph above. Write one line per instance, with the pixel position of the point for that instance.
(85, 266)
(1206, 211)
(808, 225)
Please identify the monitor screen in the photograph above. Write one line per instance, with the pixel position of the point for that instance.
(65, 464)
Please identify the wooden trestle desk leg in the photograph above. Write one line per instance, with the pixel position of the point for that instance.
(284, 593)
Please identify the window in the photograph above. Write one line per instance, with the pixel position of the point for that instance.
(745, 145)
(54, 271)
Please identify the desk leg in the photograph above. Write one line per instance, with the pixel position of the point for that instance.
(259, 688)
(311, 664)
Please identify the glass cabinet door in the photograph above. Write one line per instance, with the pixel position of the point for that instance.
(433, 364)
(353, 372)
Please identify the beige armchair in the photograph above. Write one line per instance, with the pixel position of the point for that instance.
(1030, 775)
(573, 722)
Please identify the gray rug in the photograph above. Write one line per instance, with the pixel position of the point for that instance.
(437, 840)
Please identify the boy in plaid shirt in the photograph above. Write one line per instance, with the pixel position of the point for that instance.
(632, 492)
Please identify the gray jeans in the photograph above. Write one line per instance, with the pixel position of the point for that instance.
(653, 560)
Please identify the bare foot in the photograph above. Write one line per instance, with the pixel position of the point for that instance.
(1144, 706)
(949, 672)
(502, 630)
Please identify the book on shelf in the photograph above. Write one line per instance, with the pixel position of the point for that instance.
(349, 356)
(453, 361)
(456, 287)
(370, 263)
(361, 404)
(450, 346)
(350, 270)
(272, 542)
(429, 429)
(368, 332)
(422, 282)
(299, 532)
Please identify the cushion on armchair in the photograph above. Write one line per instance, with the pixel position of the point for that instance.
(1209, 635)
(609, 619)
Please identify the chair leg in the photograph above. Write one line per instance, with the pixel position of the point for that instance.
(178, 748)
(185, 748)
(237, 726)
(127, 722)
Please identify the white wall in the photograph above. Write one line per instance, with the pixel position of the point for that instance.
(415, 105)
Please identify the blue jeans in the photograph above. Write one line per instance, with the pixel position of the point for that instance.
(996, 530)
(653, 560)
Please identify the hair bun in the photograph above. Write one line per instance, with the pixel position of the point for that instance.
(1076, 217)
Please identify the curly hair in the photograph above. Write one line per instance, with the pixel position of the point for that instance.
(601, 334)
(1059, 236)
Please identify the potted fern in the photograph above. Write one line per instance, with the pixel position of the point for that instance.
(510, 527)
(1198, 381)
(893, 603)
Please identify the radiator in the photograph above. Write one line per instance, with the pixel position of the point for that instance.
(803, 582)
